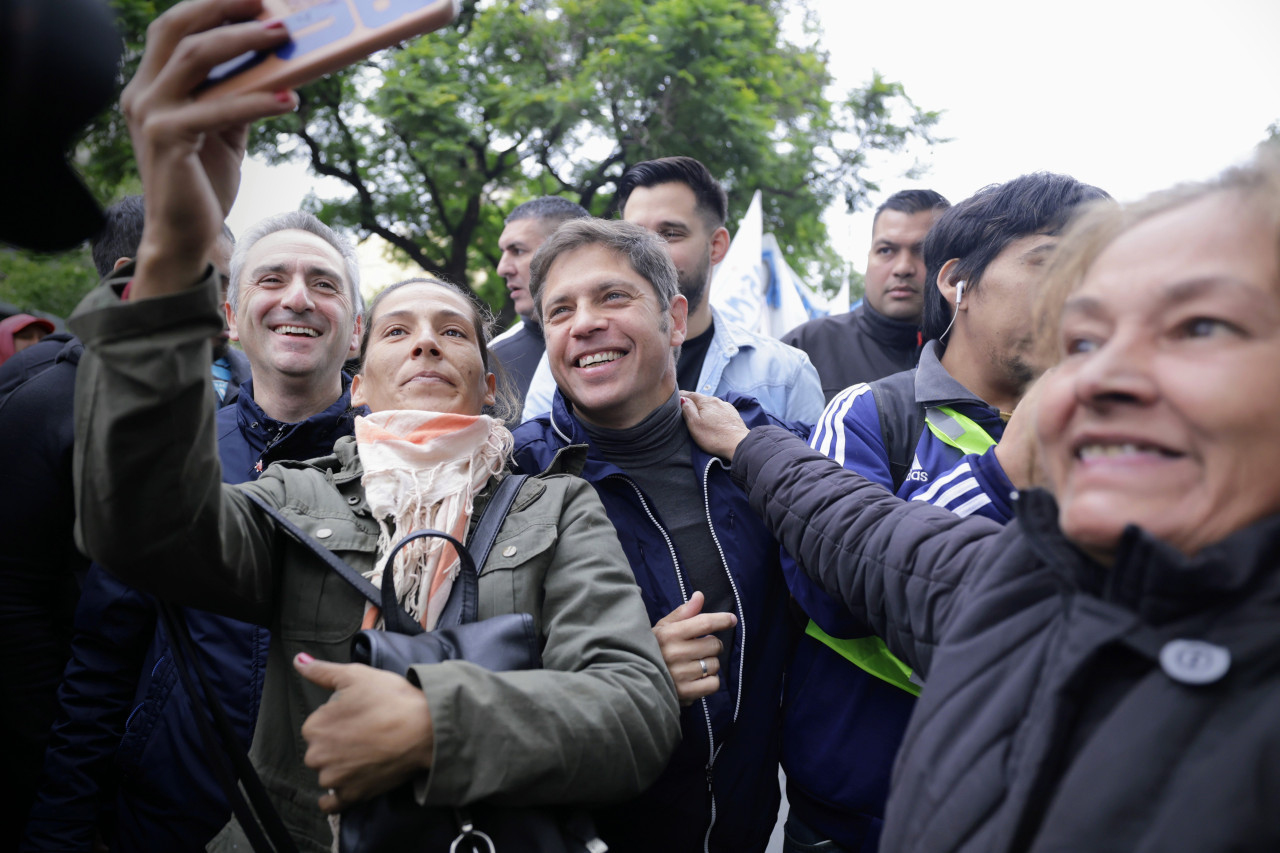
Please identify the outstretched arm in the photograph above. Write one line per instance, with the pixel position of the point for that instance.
(147, 476)
(189, 152)
(900, 568)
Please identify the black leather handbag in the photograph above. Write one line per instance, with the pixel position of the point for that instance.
(394, 822)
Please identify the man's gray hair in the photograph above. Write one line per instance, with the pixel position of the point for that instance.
(296, 220)
(550, 209)
(645, 251)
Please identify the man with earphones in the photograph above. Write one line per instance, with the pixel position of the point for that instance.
(924, 434)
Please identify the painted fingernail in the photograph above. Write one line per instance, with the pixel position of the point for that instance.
(304, 658)
(284, 96)
(273, 24)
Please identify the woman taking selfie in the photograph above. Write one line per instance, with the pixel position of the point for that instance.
(1103, 673)
(596, 723)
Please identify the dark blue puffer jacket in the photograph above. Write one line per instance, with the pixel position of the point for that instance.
(126, 756)
(720, 789)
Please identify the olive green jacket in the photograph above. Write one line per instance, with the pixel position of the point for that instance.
(597, 723)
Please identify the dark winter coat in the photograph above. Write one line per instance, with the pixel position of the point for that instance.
(720, 789)
(126, 754)
(861, 345)
(1067, 706)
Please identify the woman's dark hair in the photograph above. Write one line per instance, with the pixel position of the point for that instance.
(979, 228)
(505, 406)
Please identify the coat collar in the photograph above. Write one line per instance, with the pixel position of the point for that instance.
(1151, 577)
(896, 334)
(936, 387)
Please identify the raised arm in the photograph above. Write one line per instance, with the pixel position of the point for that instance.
(902, 569)
(189, 152)
(150, 502)
(149, 494)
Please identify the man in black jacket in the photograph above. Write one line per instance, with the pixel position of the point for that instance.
(520, 348)
(882, 335)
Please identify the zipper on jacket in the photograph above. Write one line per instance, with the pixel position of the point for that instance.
(737, 599)
(712, 751)
(706, 839)
(742, 642)
(276, 439)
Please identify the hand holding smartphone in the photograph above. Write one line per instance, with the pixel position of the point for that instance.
(326, 35)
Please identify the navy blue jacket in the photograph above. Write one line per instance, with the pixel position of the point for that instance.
(125, 725)
(41, 572)
(40, 568)
(36, 359)
(720, 789)
(842, 726)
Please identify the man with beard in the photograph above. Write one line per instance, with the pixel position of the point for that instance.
(882, 335)
(678, 199)
(923, 434)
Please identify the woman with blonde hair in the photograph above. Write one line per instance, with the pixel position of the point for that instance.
(1103, 673)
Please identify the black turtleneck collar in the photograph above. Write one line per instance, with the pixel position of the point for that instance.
(887, 331)
(532, 327)
(653, 440)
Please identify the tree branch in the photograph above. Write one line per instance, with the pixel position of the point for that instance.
(351, 176)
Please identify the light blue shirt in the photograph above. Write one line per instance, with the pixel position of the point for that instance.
(738, 361)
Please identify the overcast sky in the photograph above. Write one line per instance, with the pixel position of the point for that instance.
(1130, 95)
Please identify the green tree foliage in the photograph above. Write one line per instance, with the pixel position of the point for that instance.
(437, 140)
(53, 284)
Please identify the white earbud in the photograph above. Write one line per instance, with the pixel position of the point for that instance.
(959, 292)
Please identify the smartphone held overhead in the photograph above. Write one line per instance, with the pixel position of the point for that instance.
(325, 35)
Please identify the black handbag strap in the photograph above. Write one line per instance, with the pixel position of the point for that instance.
(495, 512)
(257, 814)
(258, 818)
(464, 604)
(350, 575)
(482, 539)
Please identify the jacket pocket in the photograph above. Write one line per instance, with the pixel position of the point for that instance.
(511, 579)
(314, 603)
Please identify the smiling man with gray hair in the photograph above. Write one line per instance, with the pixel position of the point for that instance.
(294, 304)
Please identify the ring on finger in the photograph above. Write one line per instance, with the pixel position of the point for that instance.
(702, 662)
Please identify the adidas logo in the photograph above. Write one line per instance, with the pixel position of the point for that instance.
(917, 474)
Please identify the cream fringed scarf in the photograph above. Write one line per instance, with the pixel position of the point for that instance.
(423, 470)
